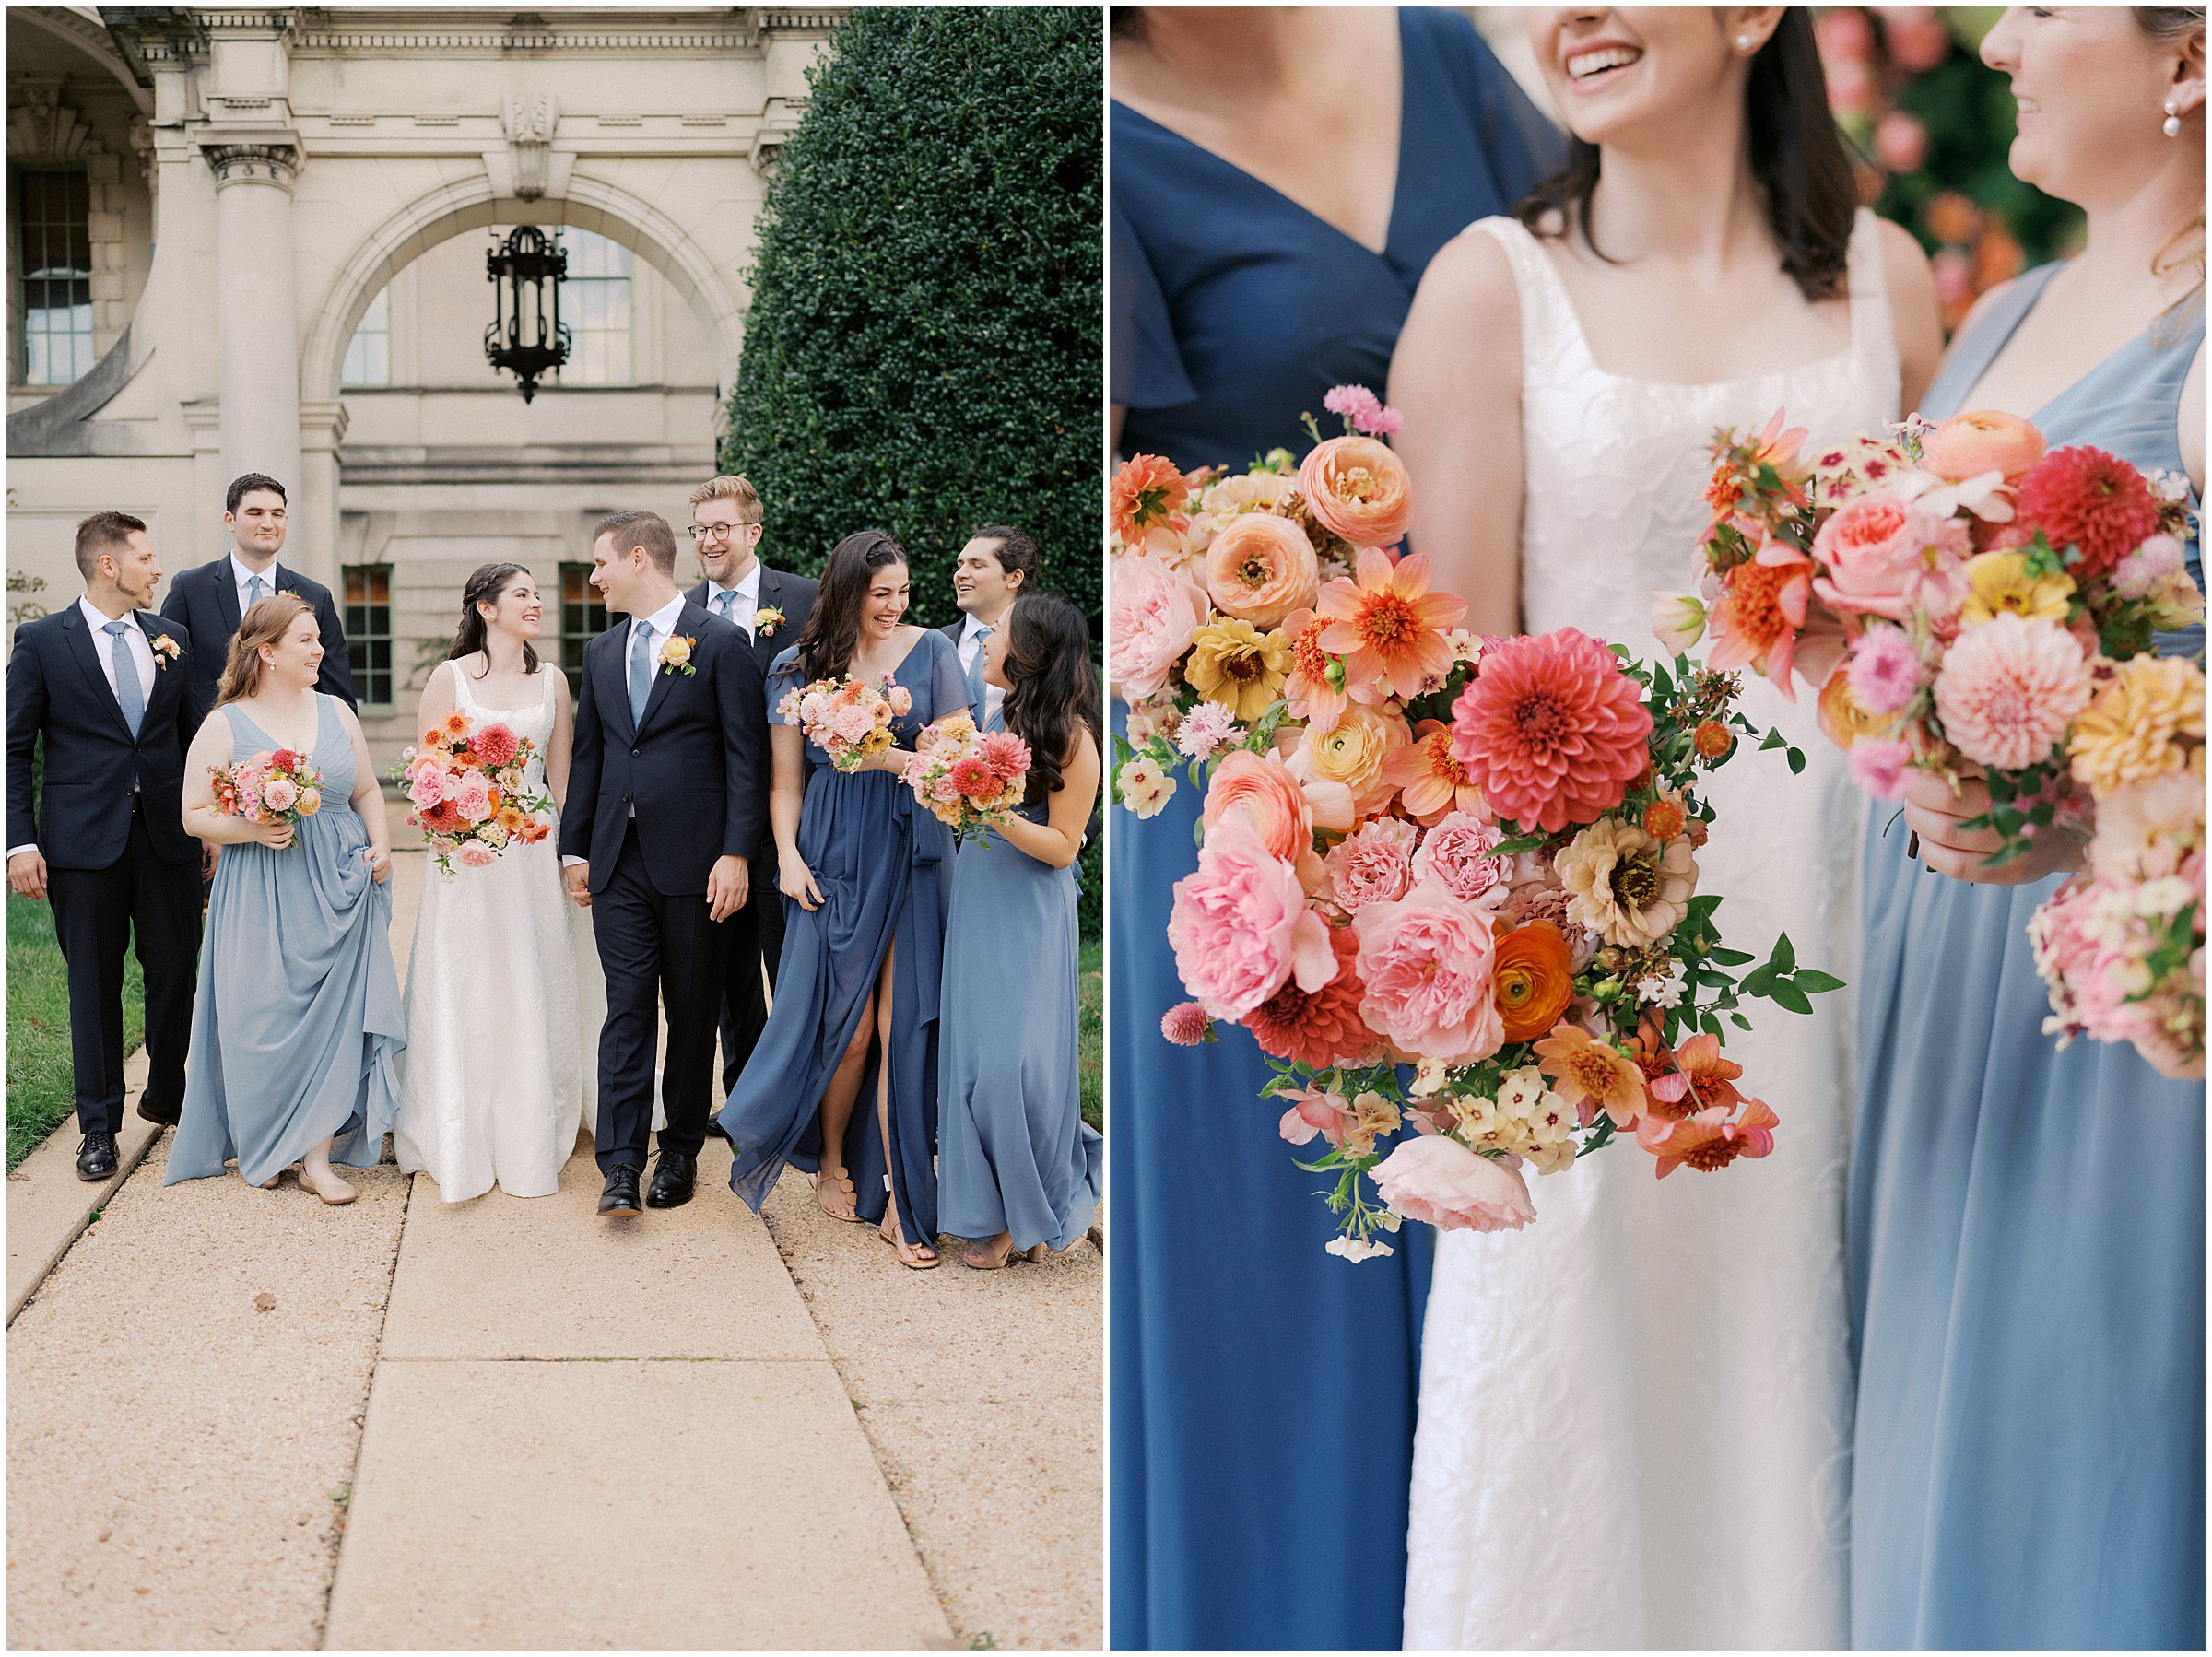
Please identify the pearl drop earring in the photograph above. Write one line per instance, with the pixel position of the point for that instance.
(2172, 128)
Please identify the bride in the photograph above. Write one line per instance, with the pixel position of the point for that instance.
(1635, 1415)
(497, 1077)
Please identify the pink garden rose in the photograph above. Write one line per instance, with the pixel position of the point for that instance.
(1455, 853)
(1374, 865)
(1152, 610)
(1426, 961)
(475, 854)
(1260, 568)
(1239, 926)
(472, 797)
(1869, 548)
(428, 788)
(1438, 1182)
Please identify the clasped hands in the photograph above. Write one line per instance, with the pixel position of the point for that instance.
(1937, 814)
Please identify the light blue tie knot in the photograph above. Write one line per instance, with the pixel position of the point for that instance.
(127, 693)
(727, 603)
(640, 669)
(256, 590)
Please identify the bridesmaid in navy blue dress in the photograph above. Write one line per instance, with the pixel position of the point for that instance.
(1262, 1391)
(2026, 1224)
(867, 876)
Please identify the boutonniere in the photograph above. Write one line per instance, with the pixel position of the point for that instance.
(166, 650)
(676, 655)
(766, 620)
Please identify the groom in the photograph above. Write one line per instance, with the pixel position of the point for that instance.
(664, 808)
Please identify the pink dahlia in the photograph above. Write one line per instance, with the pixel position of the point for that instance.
(972, 780)
(2009, 689)
(495, 745)
(1551, 729)
(1884, 671)
(2086, 499)
(1186, 1024)
(1321, 1027)
(1240, 925)
(1388, 626)
(1438, 1182)
(1426, 961)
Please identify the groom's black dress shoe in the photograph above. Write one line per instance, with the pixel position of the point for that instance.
(166, 1115)
(672, 1178)
(620, 1197)
(96, 1157)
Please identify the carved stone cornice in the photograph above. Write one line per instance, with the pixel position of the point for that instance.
(256, 163)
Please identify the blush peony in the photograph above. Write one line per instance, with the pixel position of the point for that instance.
(1438, 1182)
(1426, 961)
(1152, 610)
(1551, 729)
(2008, 689)
(1239, 926)
(1260, 568)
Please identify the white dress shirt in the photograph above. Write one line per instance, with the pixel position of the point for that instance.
(748, 599)
(241, 576)
(103, 649)
(659, 628)
(971, 646)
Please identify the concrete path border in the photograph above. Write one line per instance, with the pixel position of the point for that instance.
(49, 1207)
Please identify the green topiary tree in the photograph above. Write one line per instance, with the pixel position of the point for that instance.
(923, 352)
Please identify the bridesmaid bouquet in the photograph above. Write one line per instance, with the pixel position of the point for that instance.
(968, 780)
(850, 719)
(467, 785)
(1474, 856)
(278, 786)
(1970, 604)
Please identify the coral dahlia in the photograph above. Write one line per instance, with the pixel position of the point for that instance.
(1322, 1026)
(1551, 729)
(494, 745)
(2096, 502)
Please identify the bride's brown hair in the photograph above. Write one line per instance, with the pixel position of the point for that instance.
(1796, 155)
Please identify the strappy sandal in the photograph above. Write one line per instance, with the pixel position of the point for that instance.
(916, 1256)
(845, 1189)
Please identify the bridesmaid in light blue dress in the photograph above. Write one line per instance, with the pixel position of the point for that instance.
(2026, 1224)
(298, 1019)
(843, 1081)
(1018, 1167)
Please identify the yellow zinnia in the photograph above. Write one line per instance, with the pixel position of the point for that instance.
(2140, 725)
(2000, 582)
(1233, 663)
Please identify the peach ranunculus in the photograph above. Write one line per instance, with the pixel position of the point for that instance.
(1438, 1182)
(1240, 925)
(1268, 794)
(1357, 488)
(1390, 630)
(1153, 610)
(1355, 753)
(1426, 961)
(1260, 568)
(1430, 780)
(1981, 439)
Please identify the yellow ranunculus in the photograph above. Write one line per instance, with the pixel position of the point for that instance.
(1234, 663)
(2000, 582)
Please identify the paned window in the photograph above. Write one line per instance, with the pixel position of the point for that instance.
(54, 259)
(369, 355)
(595, 303)
(368, 632)
(583, 618)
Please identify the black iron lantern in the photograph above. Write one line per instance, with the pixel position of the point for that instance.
(526, 335)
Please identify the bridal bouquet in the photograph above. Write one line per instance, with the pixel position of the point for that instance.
(277, 786)
(1474, 856)
(850, 719)
(970, 781)
(1972, 605)
(467, 785)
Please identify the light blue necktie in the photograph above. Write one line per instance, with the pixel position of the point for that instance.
(975, 673)
(725, 604)
(126, 677)
(640, 670)
(256, 590)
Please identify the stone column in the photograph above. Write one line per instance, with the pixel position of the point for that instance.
(314, 526)
(257, 317)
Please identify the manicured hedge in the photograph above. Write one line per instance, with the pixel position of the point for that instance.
(923, 350)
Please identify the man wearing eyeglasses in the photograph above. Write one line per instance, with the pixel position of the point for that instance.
(770, 607)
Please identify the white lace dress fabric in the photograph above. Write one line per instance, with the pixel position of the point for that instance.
(502, 1028)
(1635, 1414)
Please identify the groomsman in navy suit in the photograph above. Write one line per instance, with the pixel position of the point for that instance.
(104, 682)
(770, 607)
(664, 811)
(206, 602)
(996, 567)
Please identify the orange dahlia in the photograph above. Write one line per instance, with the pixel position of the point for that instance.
(1388, 626)
(1533, 980)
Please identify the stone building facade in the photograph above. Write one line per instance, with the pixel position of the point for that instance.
(253, 240)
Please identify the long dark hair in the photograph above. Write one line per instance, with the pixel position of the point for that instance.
(1796, 155)
(485, 585)
(1053, 688)
(832, 628)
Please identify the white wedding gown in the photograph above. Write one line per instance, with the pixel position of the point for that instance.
(1635, 1414)
(504, 1002)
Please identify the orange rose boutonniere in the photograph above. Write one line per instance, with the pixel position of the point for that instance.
(166, 650)
(766, 620)
(676, 655)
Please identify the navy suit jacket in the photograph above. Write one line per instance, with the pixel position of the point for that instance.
(204, 602)
(793, 594)
(82, 819)
(693, 765)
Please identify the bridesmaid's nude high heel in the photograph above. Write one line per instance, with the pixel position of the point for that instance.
(992, 1256)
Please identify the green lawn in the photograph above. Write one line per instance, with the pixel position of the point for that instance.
(39, 1093)
(1090, 1033)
